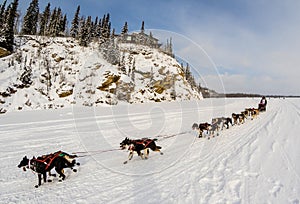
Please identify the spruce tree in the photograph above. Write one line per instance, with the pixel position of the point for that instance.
(63, 24)
(94, 27)
(75, 24)
(8, 31)
(143, 27)
(125, 28)
(106, 26)
(31, 19)
(45, 20)
(89, 27)
(2, 14)
(83, 33)
(98, 29)
(58, 19)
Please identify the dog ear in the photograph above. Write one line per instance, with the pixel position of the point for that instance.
(25, 157)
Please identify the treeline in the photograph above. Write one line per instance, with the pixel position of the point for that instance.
(190, 78)
(50, 22)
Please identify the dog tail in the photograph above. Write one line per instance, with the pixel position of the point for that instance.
(155, 139)
(158, 147)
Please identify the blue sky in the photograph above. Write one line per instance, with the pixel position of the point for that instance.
(250, 46)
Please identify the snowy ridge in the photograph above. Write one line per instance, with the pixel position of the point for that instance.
(256, 162)
(51, 73)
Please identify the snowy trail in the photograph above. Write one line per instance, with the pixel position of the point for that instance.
(256, 162)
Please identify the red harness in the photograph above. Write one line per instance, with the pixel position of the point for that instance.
(144, 142)
(49, 159)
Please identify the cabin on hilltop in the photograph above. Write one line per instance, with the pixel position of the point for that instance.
(141, 38)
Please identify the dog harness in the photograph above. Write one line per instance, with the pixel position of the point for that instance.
(47, 161)
(145, 142)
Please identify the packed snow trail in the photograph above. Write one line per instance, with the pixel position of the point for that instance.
(256, 162)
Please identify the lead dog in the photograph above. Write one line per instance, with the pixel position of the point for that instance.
(43, 164)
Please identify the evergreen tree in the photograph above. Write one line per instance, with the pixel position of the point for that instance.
(125, 28)
(98, 29)
(108, 30)
(113, 33)
(187, 72)
(106, 26)
(94, 27)
(31, 19)
(57, 25)
(8, 30)
(75, 24)
(58, 20)
(63, 25)
(52, 23)
(2, 14)
(83, 33)
(45, 20)
(89, 27)
(143, 27)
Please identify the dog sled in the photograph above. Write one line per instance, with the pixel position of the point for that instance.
(262, 107)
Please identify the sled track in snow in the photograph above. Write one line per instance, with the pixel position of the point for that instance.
(235, 146)
(202, 171)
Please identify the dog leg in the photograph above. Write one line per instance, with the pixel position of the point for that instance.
(146, 153)
(140, 154)
(129, 157)
(158, 150)
(61, 174)
(39, 180)
(200, 134)
(45, 177)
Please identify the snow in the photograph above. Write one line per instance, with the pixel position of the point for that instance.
(256, 162)
(75, 74)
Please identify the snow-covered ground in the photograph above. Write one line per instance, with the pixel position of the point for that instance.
(257, 162)
(50, 73)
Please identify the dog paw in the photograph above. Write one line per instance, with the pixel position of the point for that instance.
(125, 162)
(36, 186)
(49, 180)
(74, 170)
(78, 164)
(161, 153)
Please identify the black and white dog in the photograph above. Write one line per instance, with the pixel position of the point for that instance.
(139, 145)
(201, 127)
(44, 164)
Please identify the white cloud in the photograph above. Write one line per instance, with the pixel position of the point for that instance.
(260, 56)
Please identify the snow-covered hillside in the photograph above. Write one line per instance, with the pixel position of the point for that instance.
(46, 73)
(257, 162)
